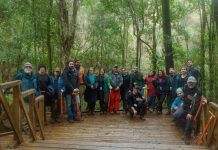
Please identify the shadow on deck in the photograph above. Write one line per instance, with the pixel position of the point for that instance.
(109, 132)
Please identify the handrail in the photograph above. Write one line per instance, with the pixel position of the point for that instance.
(209, 125)
(28, 92)
(36, 108)
(10, 84)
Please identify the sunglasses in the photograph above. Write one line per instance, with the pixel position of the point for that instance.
(28, 67)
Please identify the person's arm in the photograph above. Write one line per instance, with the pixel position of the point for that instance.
(196, 103)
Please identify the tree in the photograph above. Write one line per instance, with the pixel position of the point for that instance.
(67, 27)
(167, 35)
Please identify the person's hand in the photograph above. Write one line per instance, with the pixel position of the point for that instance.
(62, 91)
(117, 88)
(189, 117)
(92, 87)
(134, 111)
(110, 87)
(138, 99)
(175, 108)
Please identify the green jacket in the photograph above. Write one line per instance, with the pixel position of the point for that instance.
(138, 78)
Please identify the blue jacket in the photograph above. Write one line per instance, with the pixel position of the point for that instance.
(28, 82)
(60, 85)
(176, 103)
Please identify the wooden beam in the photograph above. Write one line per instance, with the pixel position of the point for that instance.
(214, 106)
(39, 98)
(39, 120)
(28, 92)
(27, 117)
(14, 124)
(7, 133)
(10, 84)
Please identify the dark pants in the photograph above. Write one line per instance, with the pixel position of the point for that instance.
(140, 108)
(180, 118)
(101, 100)
(170, 99)
(55, 106)
(91, 99)
(151, 102)
(160, 100)
(123, 95)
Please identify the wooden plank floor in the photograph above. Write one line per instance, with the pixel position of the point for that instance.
(109, 132)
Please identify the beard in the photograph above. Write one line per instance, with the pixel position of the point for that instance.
(28, 71)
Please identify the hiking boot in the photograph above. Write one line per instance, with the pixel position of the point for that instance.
(116, 113)
(131, 113)
(168, 113)
(58, 120)
(187, 140)
(142, 118)
(71, 121)
(52, 121)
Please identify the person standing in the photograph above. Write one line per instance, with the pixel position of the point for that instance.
(136, 77)
(192, 71)
(90, 94)
(183, 77)
(28, 81)
(116, 81)
(125, 88)
(172, 81)
(59, 88)
(151, 90)
(82, 86)
(71, 79)
(161, 88)
(45, 87)
(100, 90)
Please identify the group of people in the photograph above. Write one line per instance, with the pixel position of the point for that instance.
(180, 90)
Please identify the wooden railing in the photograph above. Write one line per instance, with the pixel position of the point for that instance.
(209, 126)
(13, 112)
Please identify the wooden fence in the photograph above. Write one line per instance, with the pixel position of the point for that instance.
(209, 126)
(33, 111)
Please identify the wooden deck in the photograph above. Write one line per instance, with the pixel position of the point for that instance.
(109, 132)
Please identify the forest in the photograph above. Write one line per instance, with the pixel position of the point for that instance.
(151, 34)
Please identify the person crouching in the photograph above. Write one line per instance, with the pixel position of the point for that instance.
(136, 104)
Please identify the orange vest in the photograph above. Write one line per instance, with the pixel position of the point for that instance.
(81, 73)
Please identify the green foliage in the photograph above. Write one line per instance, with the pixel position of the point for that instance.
(104, 36)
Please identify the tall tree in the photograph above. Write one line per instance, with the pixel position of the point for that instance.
(167, 37)
(48, 42)
(203, 19)
(67, 27)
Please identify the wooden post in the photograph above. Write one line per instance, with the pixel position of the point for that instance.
(22, 105)
(11, 119)
(31, 109)
(16, 108)
(38, 117)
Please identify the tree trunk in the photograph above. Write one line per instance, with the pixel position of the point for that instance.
(67, 28)
(167, 35)
(203, 27)
(35, 31)
(137, 49)
(154, 46)
(48, 42)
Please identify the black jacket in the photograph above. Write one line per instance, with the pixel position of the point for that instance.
(71, 79)
(161, 85)
(191, 101)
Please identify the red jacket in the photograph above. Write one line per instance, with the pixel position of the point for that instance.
(151, 90)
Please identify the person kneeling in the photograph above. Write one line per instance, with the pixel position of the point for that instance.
(136, 104)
